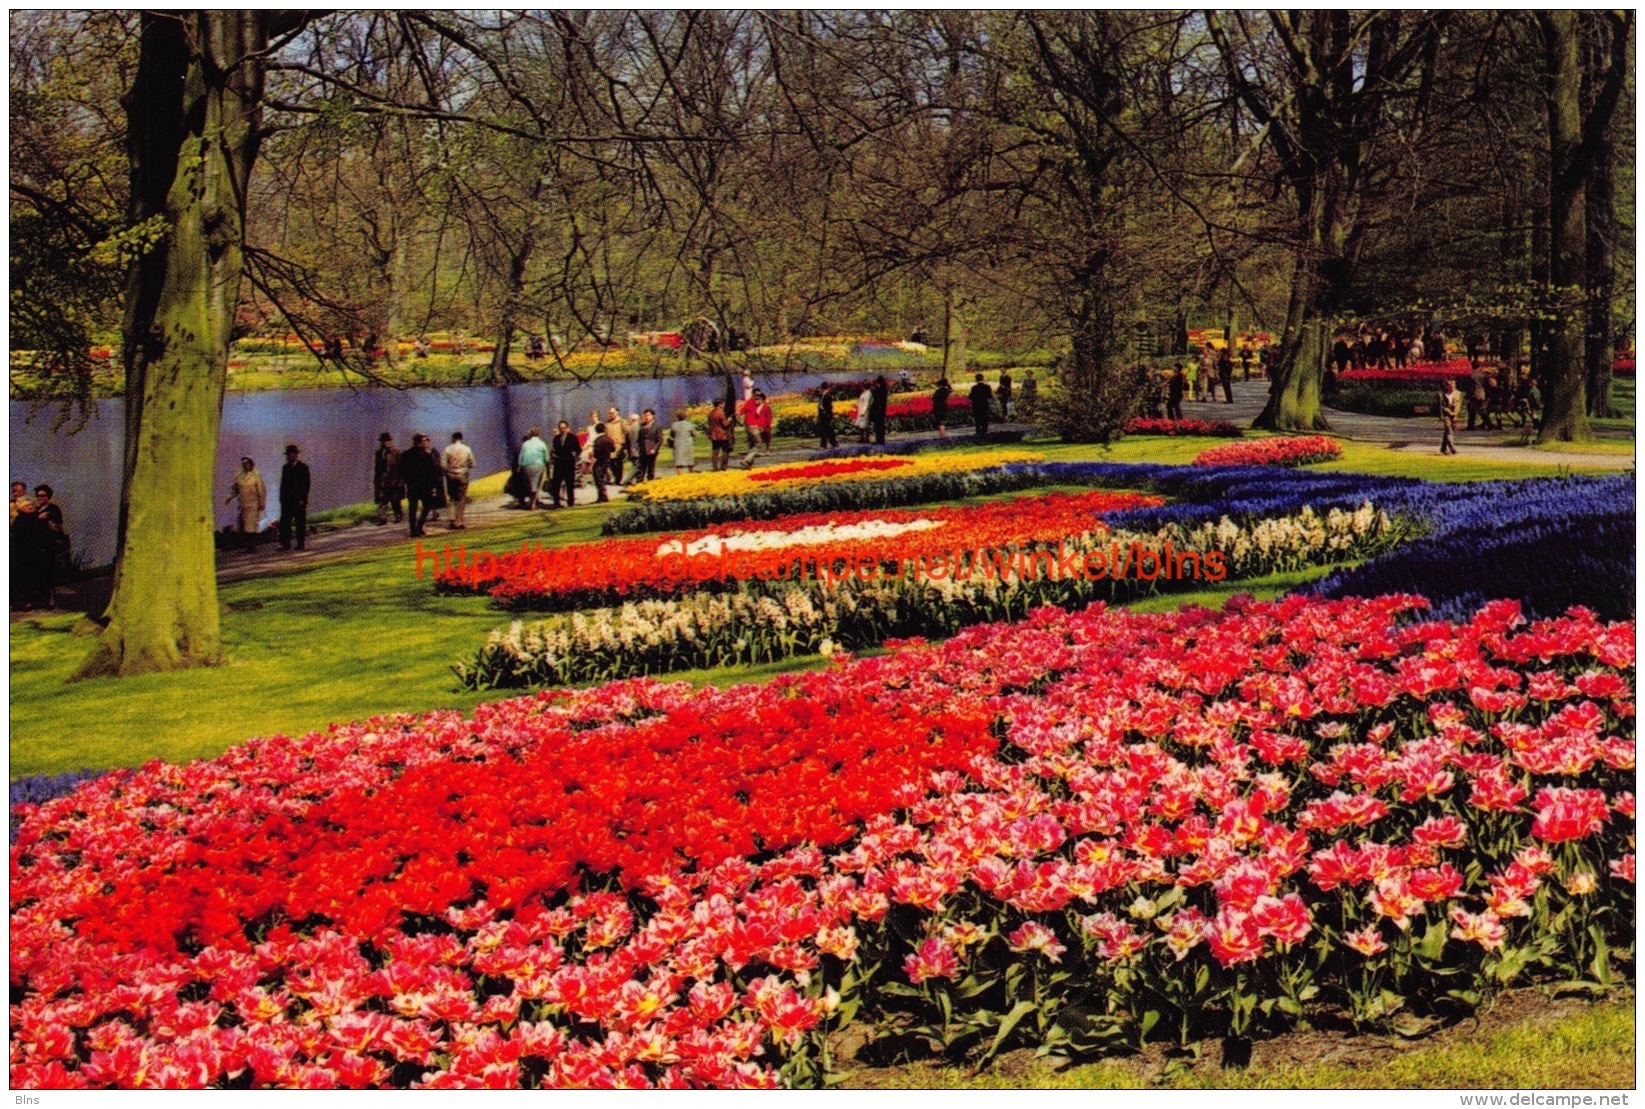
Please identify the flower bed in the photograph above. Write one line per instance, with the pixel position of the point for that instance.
(1426, 372)
(731, 483)
(1547, 543)
(853, 496)
(1073, 833)
(864, 609)
(1219, 429)
(915, 446)
(591, 575)
(909, 413)
(822, 471)
(1288, 451)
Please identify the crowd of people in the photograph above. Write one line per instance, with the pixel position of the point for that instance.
(1379, 348)
(610, 452)
(39, 546)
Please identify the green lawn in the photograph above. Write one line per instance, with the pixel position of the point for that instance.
(1592, 1048)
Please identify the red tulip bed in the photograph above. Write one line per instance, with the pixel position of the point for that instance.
(1425, 373)
(1217, 429)
(590, 575)
(1079, 832)
(1288, 451)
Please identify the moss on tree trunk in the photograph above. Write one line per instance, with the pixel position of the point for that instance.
(193, 111)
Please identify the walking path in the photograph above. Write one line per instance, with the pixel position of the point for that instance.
(1414, 435)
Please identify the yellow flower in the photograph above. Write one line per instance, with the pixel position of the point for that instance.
(730, 483)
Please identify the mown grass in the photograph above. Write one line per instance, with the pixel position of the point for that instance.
(1592, 1048)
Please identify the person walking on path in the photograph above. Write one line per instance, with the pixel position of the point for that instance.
(421, 471)
(1476, 401)
(878, 403)
(1225, 374)
(939, 405)
(614, 428)
(982, 397)
(294, 490)
(605, 449)
(457, 461)
(865, 404)
(631, 445)
(682, 436)
(566, 450)
(757, 416)
(388, 488)
(1207, 373)
(651, 444)
(533, 462)
(825, 417)
(1450, 411)
(252, 494)
(1174, 393)
(1004, 394)
(721, 426)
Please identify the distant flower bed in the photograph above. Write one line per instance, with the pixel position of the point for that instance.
(729, 483)
(1435, 372)
(816, 471)
(915, 446)
(1219, 429)
(1289, 451)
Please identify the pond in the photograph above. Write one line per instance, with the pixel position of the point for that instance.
(337, 430)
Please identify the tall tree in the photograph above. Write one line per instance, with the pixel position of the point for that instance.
(194, 114)
(1327, 88)
(1575, 141)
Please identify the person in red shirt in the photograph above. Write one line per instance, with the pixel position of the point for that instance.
(757, 418)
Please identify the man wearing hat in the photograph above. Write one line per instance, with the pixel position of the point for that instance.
(387, 486)
(293, 499)
(420, 470)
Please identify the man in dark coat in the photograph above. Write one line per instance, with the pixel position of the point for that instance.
(982, 397)
(294, 488)
(1174, 393)
(825, 417)
(563, 455)
(605, 449)
(386, 485)
(421, 472)
(651, 445)
(879, 399)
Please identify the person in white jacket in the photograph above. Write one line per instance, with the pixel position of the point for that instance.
(457, 461)
(864, 404)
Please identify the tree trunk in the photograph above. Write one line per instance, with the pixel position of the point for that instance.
(1098, 395)
(1537, 328)
(1565, 409)
(953, 338)
(1601, 276)
(501, 372)
(1293, 394)
(193, 113)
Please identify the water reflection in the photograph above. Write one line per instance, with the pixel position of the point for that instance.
(337, 430)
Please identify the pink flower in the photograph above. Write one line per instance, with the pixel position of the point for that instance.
(1036, 937)
(934, 959)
